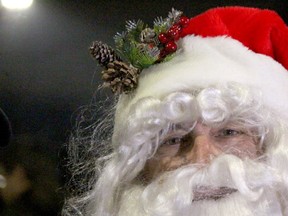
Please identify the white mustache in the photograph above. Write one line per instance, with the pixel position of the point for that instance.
(248, 177)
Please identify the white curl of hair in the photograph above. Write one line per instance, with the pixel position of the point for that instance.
(150, 119)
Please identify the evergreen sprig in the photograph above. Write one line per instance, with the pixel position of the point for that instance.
(160, 25)
(143, 57)
(139, 53)
(128, 45)
(174, 16)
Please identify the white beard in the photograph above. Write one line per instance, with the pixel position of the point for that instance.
(170, 194)
(234, 205)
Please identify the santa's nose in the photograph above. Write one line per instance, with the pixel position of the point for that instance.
(204, 147)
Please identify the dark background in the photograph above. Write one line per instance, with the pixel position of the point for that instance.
(46, 72)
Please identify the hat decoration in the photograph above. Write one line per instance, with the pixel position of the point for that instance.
(140, 47)
(137, 48)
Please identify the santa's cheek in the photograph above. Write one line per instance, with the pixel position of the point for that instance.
(172, 163)
(155, 167)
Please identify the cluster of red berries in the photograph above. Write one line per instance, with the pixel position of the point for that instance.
(168, 39)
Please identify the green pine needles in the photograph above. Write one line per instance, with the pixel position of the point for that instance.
(139, 44)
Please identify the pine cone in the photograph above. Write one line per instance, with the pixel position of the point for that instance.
(103, 53)
(120, 77)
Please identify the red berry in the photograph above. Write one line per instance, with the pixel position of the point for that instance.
(163, 38)
(171, 47)
(174, 31)
(184, 21)
(176, 26)
(163, 53)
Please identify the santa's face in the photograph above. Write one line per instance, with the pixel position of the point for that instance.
(213, 151)
(209, 171)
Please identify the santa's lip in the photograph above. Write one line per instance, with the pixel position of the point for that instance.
(208, 193)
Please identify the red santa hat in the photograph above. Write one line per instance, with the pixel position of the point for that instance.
(262, 31)
(231, 44)
(222, 45)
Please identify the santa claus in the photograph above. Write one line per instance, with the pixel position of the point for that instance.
(201, 123)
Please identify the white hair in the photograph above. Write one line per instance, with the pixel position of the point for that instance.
(148, 121)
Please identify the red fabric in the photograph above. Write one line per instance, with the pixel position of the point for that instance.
(262, 31)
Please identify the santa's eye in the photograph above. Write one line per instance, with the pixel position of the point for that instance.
(173, 141)
(228, 133)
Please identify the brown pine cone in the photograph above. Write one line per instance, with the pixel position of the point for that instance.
(103, 53)
(120, 77)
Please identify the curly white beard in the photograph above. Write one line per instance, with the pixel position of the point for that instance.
(257, 191)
